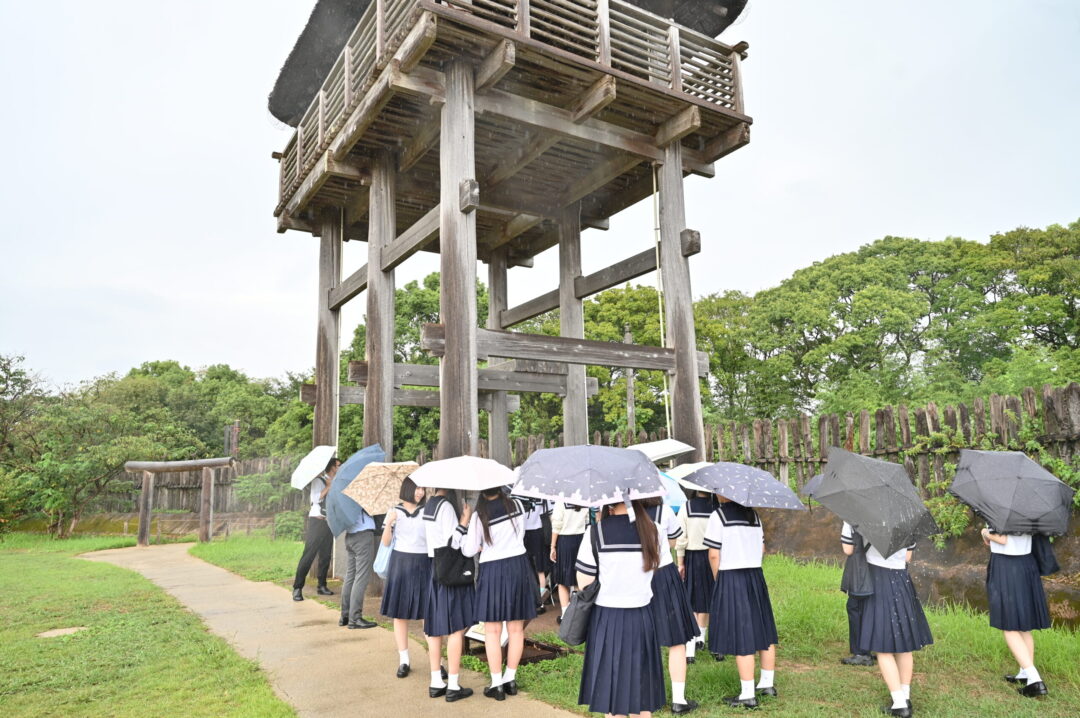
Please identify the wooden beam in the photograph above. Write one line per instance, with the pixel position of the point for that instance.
(728, 142)
(533, 308)
(417, 42)
(327, 360)
(488, 379)
(684, 123)
(348, 289)
(425, 140)
(412, 240)
(690, 239)
(571, 351)
(498, 62)
(362, 117)
(426, 398)
(498, 419)
(469, 195)
(598, 96)
(617, 274)
(168, 467)
(601, 223)
(379, 322)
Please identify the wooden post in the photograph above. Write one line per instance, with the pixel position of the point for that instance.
(146, 504)
(679, 306)
(327, 368)
(572, 324)
(524, 19)
(675, 50)
(498, 417)
(631, 418)
(379, 345)
(205, 503)
(458, 420)
(603, 21)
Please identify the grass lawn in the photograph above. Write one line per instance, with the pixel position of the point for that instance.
(254, 557)
(142, 652)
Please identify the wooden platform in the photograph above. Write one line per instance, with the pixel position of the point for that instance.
(574, 101)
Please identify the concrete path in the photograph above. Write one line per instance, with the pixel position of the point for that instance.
(319, 668)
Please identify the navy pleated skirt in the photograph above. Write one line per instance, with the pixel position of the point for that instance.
(740, 615)
(892, 617)
(448, 609)
(1016, 595)
(538, 552)
(406, 587)
(563, 572)
(505, 591)
(623, 672)
(674, 620)
(699, 580)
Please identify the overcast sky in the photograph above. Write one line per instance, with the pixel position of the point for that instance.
(137, 187)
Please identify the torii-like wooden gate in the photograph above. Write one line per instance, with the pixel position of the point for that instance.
(206, 499)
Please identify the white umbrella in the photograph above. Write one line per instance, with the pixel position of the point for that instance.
(312, 465)
(463, 473)
(679, 473)
(663, 450)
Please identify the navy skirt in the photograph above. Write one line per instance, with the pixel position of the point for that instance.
(1016, 595)
(740, 615)
(699, 580)
(448, 609)
(538, 552)
(505, 591)
(675, 622)
(563, 572)
(892, 618)
(623, 673)
(406, 587)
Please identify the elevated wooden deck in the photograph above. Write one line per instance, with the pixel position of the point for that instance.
(574, 101)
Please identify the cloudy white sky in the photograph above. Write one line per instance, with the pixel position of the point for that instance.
(137, 196)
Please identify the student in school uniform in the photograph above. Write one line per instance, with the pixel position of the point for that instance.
(504, 589)
(1017, 603)
(892, 624)
(674, 619)
(623, 672)
(535, 546)
(405, 592)
(448, 610)
(740, 614)
(568, 524)
(692, 556)
(856, 583)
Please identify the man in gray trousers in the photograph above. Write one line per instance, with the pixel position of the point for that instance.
(359, 558)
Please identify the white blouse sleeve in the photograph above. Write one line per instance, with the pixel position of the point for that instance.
(471, 540)
(714, 532)
(683, 539)
(558, 517)
(586, 562)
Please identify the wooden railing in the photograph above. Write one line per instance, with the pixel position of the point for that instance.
(612, 33)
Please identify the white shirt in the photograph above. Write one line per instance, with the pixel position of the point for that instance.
(897, 561)
(623, 582)
(1014, 545)
(410, 532)
(569, 520)
(507, 533)
(317, 485)
(694, 519)
(736, 532)
(440, 524)
(533, 515)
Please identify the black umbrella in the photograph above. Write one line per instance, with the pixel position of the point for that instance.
(1012, 493)
(746, 485)
(877, 498)
(588, 476)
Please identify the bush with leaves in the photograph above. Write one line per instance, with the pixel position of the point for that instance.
(289, 525)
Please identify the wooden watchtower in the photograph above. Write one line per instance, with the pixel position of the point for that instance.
(494, 130)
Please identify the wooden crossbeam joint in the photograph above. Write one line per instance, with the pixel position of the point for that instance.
(599, 95)
(498, 62)
(691, 242)
(683, 123)
(469, 196)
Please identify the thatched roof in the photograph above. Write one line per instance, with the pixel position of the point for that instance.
(332, 21)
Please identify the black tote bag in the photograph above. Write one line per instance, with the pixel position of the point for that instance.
(452, 567)
(574, 628)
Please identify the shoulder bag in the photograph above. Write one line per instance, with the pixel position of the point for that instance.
(574, 628)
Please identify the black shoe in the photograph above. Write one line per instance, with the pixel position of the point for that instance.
(691, 659)
(558, 620)
(343, 621)
(683, 708)
(498, 693)
(436, 692)
(717, 657)
(770, 691)
(1014, 679)
(904, 712)
(457, 695)
(736, 702)
(510, 687)
(324, 591)
(363, 623)
(403, 670)
(858, 659)
(298, 594)
(1033, 690)
(540, 608)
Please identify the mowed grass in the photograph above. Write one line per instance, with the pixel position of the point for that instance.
(142, 653)
(254, 557)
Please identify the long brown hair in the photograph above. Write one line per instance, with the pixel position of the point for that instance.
(647, 535)
(486, 499)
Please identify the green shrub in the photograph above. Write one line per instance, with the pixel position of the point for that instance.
(289, 526)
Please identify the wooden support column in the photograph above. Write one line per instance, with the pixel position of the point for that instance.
(572, 324)
(458, 419)
(631, 422)
(146, 505)
(206, 504)
(679, 306)
(327, 369)
(498, 417)
(379, 347)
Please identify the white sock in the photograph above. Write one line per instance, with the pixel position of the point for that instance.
(766, 679)
(906, 688)
(747, 690)
(691, 647)
(452, 682)
(436, 679)
(403, 657)
(898, 699)
(564, 610)
(678, 692)
(1021, 674)
(496, 679)
(509, 674)
(1032, 674)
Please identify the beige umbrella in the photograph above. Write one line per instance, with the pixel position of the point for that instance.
(377, 486)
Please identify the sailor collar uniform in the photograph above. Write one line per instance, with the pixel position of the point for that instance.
(736, 532)
(694, 519)
(569, 520)
(440, 524)
(623, 583)
(507, 532)
(896, 561)
(410, 533)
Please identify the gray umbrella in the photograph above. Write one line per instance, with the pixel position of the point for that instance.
(1012, 493)
(877, 498)
(812, 485)
(746, 485)
(588, 476)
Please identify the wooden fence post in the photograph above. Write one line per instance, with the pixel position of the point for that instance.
(146, 501)
(205, 503)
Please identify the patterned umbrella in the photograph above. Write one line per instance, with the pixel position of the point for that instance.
(378, 484)
(341, 511)
(588, 476)
(746, 486)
